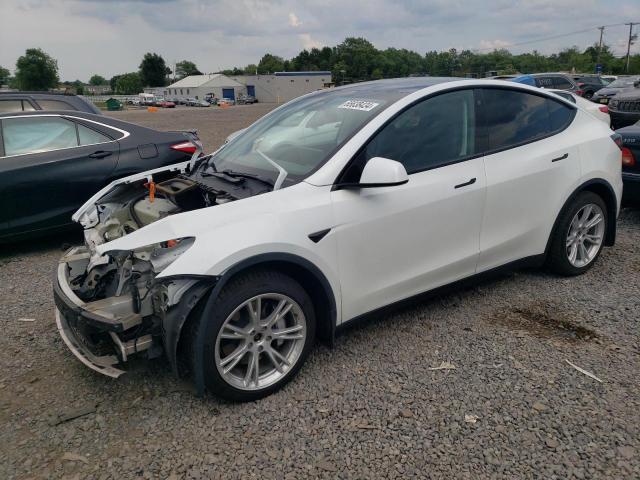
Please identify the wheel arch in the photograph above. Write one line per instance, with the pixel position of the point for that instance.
(604, 190)
(308, 275)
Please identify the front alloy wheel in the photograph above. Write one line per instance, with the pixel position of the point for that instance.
(260, 341)
(256, 334)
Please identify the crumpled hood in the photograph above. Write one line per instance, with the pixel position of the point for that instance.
(195, 222)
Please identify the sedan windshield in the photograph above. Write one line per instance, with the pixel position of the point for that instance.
(299, 137)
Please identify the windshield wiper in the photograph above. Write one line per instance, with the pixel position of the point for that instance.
(236, 177)
(282, 173)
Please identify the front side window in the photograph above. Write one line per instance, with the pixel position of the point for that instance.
(35, 135)
(435, 132)
(55, 105)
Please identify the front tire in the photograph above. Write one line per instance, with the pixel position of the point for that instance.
(579, 235)
(259, 334)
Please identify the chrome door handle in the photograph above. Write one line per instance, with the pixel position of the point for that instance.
(470, 182)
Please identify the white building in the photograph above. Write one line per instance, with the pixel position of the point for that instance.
(198, 86)
(283, 86)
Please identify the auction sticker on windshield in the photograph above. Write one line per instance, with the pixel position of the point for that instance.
(363, 105)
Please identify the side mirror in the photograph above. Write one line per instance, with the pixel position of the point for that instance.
(380, 172)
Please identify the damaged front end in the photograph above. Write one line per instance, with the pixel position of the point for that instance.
(110, 302)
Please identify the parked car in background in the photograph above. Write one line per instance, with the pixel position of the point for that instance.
(589, 84)
(558, 81)
(166, 104)
(246, 99)
(30, 101)
(226, 101)
(624, 107)
(606, 93)
(630, 140)
(201, 103)
(50, 163)
(266, 246)
(601, 112)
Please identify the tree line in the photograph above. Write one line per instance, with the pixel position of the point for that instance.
(353, 60)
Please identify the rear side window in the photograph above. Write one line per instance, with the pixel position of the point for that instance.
(7, 106)
(55, 105)
(546, 82)
(35, 135)
(562, 83)
(514, 118)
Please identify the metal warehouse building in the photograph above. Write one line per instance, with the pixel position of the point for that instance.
(197, 86)
(283, 86)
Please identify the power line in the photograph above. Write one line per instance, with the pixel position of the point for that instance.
(552, 37)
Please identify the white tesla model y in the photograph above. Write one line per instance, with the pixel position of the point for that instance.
(332, 206)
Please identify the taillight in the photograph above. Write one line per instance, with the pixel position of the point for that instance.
(186, 147)
(628, 160)
(579, 92)
(604, 109)
(580, 84)
(617, 139)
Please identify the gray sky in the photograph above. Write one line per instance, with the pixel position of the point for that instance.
(111, 36)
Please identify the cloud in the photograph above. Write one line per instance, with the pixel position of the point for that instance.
(493, 44)
(111, 36)
(294, 21)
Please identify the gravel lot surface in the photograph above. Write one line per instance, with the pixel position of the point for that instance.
(372, 407)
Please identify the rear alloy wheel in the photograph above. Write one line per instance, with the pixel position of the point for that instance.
(579, 235)
(259, 331)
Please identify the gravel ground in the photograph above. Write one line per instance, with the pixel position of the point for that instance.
(371, 407)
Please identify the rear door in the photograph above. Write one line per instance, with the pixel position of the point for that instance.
(51, 165)
(531, 163)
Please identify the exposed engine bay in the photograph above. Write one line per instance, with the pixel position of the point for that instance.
(134, 312)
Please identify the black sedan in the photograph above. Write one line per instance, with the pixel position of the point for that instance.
(52, 162)
(631, 164)
(606, 93)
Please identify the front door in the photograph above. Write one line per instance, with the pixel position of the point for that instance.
(395, 242)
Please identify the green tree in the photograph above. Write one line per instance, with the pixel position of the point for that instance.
(4, 76)
(153, 70)
(250, 69)
(128, 84)
(36, 70)
(186, 68)
(78, 86)
(97, 80)
(270, 63)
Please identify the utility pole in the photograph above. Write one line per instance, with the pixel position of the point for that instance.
(599, 44)
(630, 42)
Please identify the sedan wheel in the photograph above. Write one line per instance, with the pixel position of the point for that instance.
(260, 341)
(585, 235)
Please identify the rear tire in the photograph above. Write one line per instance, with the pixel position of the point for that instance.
(259, 334)
(579, 235)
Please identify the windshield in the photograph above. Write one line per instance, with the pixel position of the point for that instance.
(624, 82)
(299, 137)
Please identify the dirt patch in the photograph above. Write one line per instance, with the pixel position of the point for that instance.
(545, 321)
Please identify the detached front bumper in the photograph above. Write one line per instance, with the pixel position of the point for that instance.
(98, 333)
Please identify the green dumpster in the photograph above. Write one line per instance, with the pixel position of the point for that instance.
(113, 104)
